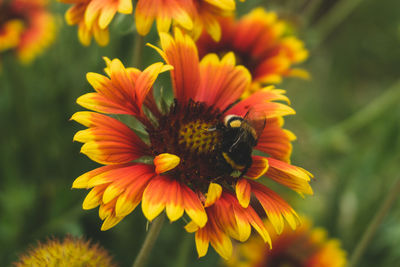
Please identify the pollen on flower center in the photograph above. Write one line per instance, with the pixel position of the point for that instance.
(199, 136)
(189, 131)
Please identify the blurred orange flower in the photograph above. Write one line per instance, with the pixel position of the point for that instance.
(262, 43)
(26, 27)
(304, 247)
(194, 169)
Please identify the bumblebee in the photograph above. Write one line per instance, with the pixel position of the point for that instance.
(239, 136)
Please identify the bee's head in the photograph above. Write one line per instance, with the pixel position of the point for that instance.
(233, 121)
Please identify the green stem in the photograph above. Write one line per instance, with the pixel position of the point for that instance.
(374, 110)
(374, 224)
(184, 251)
(138, 51)
(309, 11)
(332, 19)
(149, 241)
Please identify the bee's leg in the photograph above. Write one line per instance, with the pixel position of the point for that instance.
(217, 127)
(236, 142)
(246, 167)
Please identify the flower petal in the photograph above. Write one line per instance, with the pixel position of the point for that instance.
(193, 206)
(84, 34)
(133, 193)
(191, 227)
(146, 79)
(174, 201)
(243, 226)
(144, 15)
(125, 6)
(258, 168)
(108, 141)
(165, 162)
(154, 197)
(275, 207)
(164, 191)
(83, 180)
(223, 4)
(202, 241)
(110, 222)
(180, 52)
(93, 199)
(244, 219)
(291, 176)
(125, 90)
(211, 233)
(212, 27)
(243, 192)
(221, 243)
(74, 14)
(276, 141)
(222, 83)
(107, 14)
(260, 103)
(213, 194)
(92, 12)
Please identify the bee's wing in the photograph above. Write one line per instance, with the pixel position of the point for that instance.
(256, 120)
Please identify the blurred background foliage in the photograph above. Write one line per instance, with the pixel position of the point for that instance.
(347, 124)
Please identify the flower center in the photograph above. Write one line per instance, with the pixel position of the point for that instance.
(198, 136)
(242, 58)
(294, 253)
(191, 132)
(8, 13)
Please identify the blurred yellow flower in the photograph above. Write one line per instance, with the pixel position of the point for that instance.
(70, 252)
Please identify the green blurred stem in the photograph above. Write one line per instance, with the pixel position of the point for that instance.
(374, 224)
(18, 93)
(310, 10)
(138, 51)
(372, 111)
(149, 241)
(184, 250)
(332, 19)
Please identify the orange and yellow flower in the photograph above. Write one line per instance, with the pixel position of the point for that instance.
(26, 28)
(190, 172)
(94, 16)
(262, 43)
(304, 247)
(164, 12)
(192, 15)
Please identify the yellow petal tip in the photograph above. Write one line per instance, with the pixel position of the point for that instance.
(165, 162)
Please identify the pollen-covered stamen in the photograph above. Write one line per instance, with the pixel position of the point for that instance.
(199, 136)
(191, 133)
